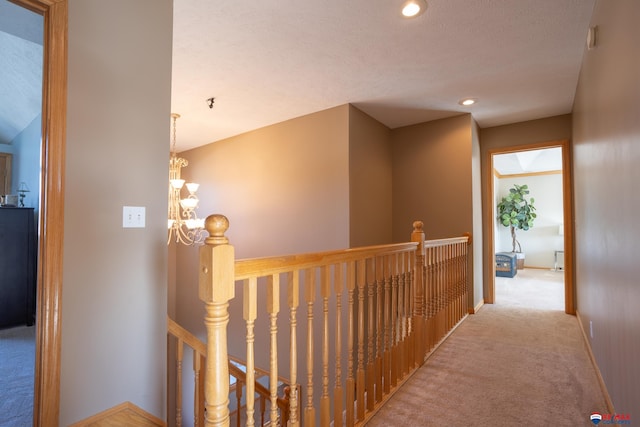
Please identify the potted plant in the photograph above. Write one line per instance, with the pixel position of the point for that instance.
(517, 213)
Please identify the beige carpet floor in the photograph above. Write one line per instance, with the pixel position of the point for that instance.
(519, 362)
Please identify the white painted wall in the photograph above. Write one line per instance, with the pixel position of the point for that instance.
(540, 242)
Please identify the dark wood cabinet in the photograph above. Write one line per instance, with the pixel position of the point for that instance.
(17, 266)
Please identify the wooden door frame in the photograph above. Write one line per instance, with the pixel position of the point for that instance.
(46, 406)
(567, 206)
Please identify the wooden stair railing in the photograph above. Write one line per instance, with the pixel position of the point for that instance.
(184, 338)
(264, 393)
(399, 301)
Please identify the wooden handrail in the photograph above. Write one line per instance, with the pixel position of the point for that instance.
(184, 337)
(400, 302)
(267, 266)
(443, 242)
(191, 340)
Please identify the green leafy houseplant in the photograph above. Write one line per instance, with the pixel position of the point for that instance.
(516, 212)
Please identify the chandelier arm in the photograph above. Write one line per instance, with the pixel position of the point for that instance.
(183, 221)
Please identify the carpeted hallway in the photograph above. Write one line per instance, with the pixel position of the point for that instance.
(521, 361)
(17, 361)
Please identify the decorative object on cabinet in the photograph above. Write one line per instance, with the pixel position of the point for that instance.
(17, 267)
(9, 200)
(22, 190)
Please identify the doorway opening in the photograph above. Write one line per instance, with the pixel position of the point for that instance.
(50, 227)
(545, 251)
(21, 79)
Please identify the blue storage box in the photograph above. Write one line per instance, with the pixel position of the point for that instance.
(506, 264)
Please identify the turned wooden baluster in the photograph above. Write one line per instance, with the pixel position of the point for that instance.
(393, 337)
(379, 271)
(455, 284)
(409, 311)
(437, 294)
(325, 292)
(409, 293)
(459, 283)
(309, 410)
(250, 312)
(419, 293)
(402, 325)
(273, 308)
(371, 283)
(448, 287)
(350, 382)
(216, 288)
(239, 387)
(440, 293)
(293, 290)
(455, 293)
(360, 381)
(179, 357)
(337, 392)
(469, 303)
(444, 276)
(386, 361)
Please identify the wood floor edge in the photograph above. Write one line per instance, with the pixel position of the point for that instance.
(603, 386)
(105, 417)
(477, 307)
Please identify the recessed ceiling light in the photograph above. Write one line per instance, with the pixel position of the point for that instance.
(467, 101)
(413, 8)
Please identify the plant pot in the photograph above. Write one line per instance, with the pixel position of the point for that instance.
(519, 260)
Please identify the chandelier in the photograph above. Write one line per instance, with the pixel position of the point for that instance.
(184, 225)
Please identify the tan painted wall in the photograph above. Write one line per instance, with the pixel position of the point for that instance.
(535, 131)
(114, 296)
(370, 176)
(606, 134)
(436, 168)
(284, 189)
(432, 178)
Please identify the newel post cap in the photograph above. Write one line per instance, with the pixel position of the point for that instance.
(216, 225)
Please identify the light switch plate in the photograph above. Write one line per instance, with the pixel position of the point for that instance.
(133, 216)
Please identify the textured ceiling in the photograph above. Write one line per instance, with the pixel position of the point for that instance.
(20, 69)
(272, 60)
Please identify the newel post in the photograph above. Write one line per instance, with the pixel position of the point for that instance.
(419, 292)
(216, 288)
